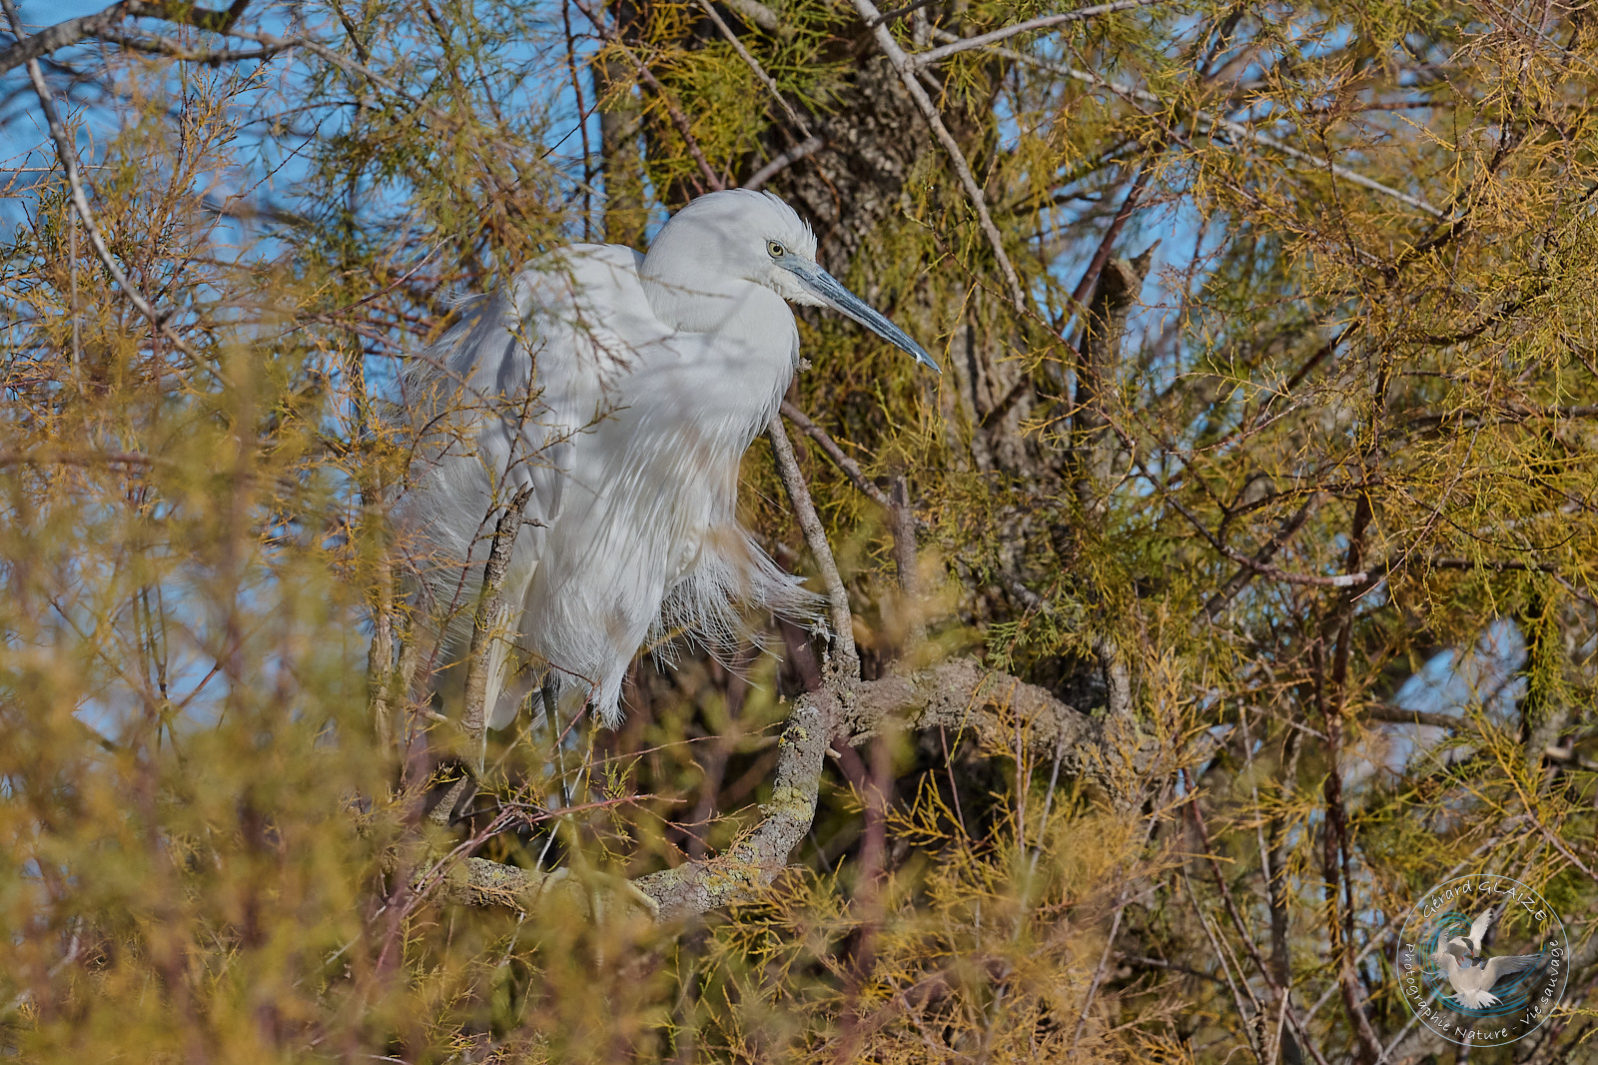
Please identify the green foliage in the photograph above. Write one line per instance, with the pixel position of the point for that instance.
(1347, 425)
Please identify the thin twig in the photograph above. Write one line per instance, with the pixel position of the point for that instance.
(754, 65)
(963, 44)
(816, 539)
(1235, 916)
(782, 162)
(1379, 937)
(1239, 580)
(1314, 580)
(1227, 963)
(907, 73)
(1393, 714)
(80, 201)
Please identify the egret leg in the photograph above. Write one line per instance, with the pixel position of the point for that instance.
(552, 714)
(552, 719)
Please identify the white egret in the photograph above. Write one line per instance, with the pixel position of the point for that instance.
(620, 391)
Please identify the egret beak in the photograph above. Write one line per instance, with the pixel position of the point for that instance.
(830, 292)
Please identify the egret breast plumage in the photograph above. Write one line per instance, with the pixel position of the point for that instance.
(613, 393)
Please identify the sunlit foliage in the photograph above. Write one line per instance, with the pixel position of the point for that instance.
(1340, 423)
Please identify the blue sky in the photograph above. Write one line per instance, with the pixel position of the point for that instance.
(1449, 681)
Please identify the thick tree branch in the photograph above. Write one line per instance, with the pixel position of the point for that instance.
(961, 694)
(105, 24)
(755, 861)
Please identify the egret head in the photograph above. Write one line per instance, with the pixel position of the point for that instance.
(755, 237)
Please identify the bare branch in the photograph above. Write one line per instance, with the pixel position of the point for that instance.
(104, 24)
(959, 694)
(782, 162)
(1239, 580)
(758, 14)
(904, 548)
(848, 465)
(755, 861)
(1314, 580)
(901, 63)
(1393, 714)
(816, 539)
(157, 44)
(964, 44)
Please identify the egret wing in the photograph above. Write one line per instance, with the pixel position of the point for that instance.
(503, 402)
(503, 397)
(578, 321)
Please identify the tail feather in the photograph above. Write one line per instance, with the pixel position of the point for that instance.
(732, 577)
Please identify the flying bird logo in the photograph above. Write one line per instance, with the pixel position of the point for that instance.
(1455, 972)
(1473, 977)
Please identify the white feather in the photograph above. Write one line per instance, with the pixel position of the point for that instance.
(623, 390)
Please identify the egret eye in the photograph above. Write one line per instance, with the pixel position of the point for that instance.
(775, 250)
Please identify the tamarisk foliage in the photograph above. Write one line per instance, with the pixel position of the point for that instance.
(1232, 586)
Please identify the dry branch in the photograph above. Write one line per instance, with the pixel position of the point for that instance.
(105, 24)
(793, 481)
(960, 694)
(808, 147)
(979, 202)
(932, 55)
(848, 465)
